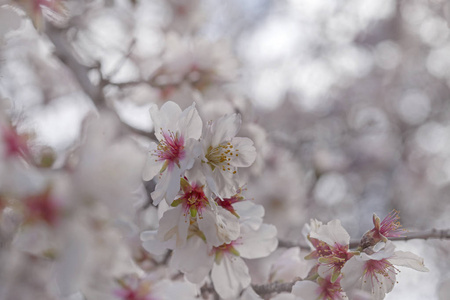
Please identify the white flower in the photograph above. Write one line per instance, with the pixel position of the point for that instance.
(223, 153)
(109, 168)
(177, 132)
(375, 273)
(193, 212)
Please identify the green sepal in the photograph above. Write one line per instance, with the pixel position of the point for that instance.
(176, 202)
(184, 184)
(218, 257)
(335, 275)
(193, 212)
(164, 166)
(234, 251)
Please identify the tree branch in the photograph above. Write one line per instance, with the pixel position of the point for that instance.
(274, 287)
(63, 51)
(442, 234)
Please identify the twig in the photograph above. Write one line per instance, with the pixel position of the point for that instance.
(442, 234)
(274, 287)
(63, 51)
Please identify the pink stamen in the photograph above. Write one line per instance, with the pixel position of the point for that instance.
(390, 226)
(227, 203)
(193, 199)
(328, 290)
(16, 144)
(381, 267)
(170, 149)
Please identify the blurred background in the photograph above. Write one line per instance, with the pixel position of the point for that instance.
(347, 102)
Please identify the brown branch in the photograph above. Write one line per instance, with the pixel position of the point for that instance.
(274, 287)
(260, 289)
(442, 234)
(64, 52)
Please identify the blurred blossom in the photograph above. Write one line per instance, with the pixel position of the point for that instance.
(330, 189)
(346, 104)
(388, 55)
(414, 107)
(432, 137)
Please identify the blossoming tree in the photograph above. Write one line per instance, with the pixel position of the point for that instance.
(176, 186)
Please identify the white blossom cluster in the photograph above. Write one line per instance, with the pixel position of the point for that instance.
(206, 221)
(131, 218)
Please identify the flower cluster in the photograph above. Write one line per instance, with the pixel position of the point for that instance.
(369, 272)
(205, 219)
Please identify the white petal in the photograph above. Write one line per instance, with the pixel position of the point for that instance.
(198, 275)
(166, 118)
(192, 150)
(257, 244)
(169, 290)
(225, 128)
(352, 273)
(167, 187)
(306, 290)
(332, 233)
(190, 123)
(154, 246)
(152, 165)
(193, 259)
(230, 277)
(246, 155)
(219, 227)
(250, 214)
(173, 224)
(408, 259)
(226, 183)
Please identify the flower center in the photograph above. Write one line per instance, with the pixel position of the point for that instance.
(329, 290)
(227, 203)
(220, 156)
(170, 149)
(390, 226)
(382, 267)
(193, 199)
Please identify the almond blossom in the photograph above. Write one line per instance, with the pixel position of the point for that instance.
(177, 132)
(331, 243)
(192, 212)
(224, 153)
(375, 271)
(229, 273)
